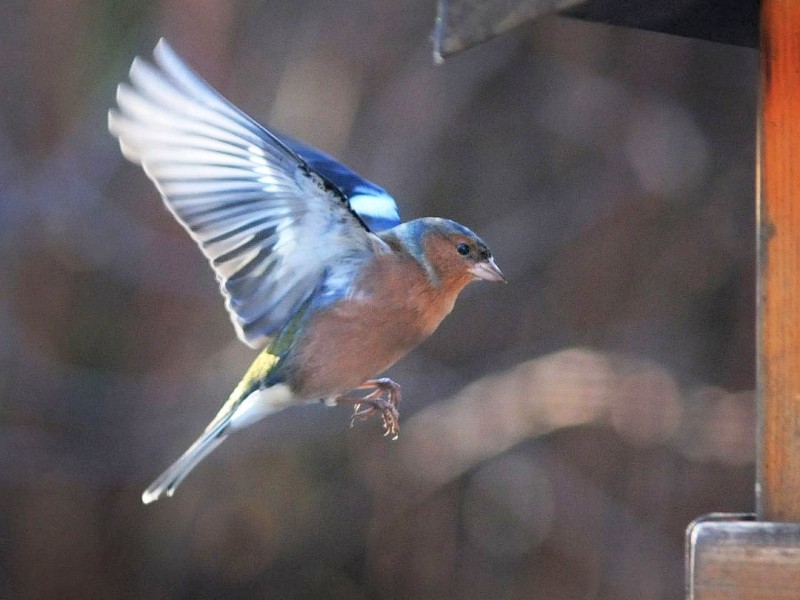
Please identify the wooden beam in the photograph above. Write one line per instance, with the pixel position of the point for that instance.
(461, 24)
(736, 556)
(778, 286)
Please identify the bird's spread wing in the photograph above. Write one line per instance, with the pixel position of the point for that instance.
(373, 204)
(274, 229)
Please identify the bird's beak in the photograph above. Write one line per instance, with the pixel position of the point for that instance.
(488, 271)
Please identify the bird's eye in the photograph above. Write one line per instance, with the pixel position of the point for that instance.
(463, 249)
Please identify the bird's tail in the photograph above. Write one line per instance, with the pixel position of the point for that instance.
(168, 481)
(247, 404)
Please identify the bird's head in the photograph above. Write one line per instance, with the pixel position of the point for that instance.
(451, 253)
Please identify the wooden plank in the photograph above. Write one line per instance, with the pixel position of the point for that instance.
(778, 379)
(733, 559)
(461, 24)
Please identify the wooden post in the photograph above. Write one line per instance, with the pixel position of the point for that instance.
(731, 556)
(778, 288)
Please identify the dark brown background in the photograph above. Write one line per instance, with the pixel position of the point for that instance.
(558, 433)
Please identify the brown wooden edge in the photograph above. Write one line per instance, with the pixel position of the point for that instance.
(778, 277)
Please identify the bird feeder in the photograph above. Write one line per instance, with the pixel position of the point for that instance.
(747, 557)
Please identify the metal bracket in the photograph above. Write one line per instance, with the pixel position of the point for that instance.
(734, 556)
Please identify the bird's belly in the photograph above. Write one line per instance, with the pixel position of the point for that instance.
(343, 347)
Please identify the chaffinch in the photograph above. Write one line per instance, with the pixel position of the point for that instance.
(313, 261)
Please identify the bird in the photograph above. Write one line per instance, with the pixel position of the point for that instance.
(317, 270)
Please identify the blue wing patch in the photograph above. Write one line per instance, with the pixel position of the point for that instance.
(370, 202)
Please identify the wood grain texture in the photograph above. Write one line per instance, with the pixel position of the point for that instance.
(778, 381)
(733, 559)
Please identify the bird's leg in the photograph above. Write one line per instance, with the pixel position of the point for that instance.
(387, 404)
(384, 399)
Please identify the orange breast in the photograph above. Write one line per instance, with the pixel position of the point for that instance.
(394, 307)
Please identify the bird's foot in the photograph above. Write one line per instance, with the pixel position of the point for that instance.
(383, 399)
(389, 413)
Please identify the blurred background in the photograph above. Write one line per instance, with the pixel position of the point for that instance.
(558, 433)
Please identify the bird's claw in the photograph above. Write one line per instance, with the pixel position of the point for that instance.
(384, 400)
(389, 413)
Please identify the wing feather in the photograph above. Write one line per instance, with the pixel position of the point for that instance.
(274, 227)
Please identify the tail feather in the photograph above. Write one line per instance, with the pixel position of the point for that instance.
(233, 416)
(169, 480)
(247, 404)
